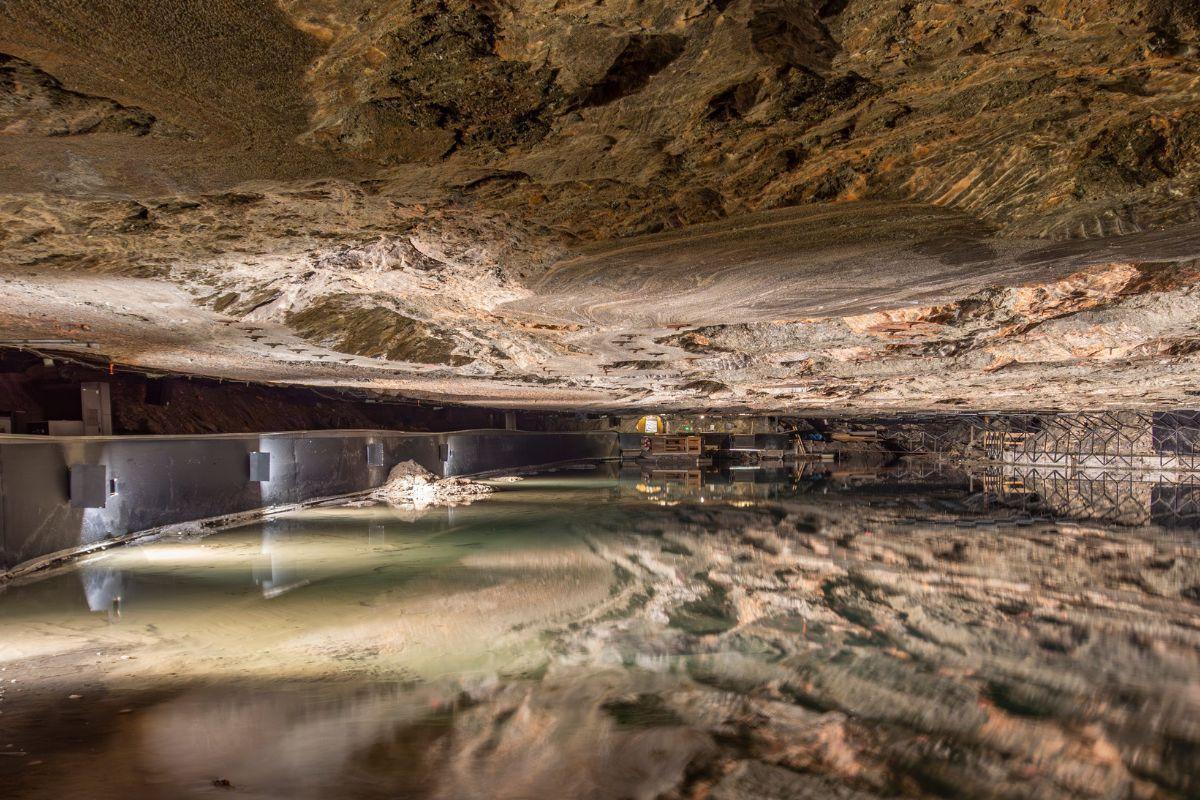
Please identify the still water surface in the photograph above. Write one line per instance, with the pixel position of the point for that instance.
(588, 635)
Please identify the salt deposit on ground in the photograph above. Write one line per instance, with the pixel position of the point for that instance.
(410, 484)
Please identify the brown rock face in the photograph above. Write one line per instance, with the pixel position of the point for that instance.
(506, 201)
(35, 103)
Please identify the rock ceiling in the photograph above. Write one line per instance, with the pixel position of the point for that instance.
(804, 204)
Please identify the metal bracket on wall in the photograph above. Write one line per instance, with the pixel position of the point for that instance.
(375, 455)
(260, 467)
(89, 485)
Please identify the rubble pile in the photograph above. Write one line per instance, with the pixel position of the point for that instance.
(411, 485)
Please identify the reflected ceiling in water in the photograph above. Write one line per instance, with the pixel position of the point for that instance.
(749, 633)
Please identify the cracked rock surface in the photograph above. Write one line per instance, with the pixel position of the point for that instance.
(530, 202)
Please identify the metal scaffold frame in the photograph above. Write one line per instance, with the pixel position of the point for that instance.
(1132, 467)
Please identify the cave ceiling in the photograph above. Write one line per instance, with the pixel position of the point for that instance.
(727, 204)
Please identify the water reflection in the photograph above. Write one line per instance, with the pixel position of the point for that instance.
(103, 588)
(821, 631)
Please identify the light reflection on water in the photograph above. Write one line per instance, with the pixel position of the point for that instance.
(731, 635)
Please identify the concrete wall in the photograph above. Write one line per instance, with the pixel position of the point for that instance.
(165, 480)
(473, 452)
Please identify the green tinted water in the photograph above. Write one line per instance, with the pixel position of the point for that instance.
(588, 635)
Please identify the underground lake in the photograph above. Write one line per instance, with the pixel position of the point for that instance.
(605, 632)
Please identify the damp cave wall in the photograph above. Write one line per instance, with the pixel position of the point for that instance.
(167, 480)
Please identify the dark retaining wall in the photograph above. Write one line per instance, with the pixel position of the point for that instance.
(165, 480)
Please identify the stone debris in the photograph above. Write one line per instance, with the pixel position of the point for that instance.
(409, 485)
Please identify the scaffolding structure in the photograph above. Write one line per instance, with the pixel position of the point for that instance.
(1129, 467)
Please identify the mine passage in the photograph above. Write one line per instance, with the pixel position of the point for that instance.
(581, 400)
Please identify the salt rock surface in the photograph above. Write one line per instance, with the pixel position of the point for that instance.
(410, 484)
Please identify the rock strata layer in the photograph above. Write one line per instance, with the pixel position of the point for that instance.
(438, 196)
